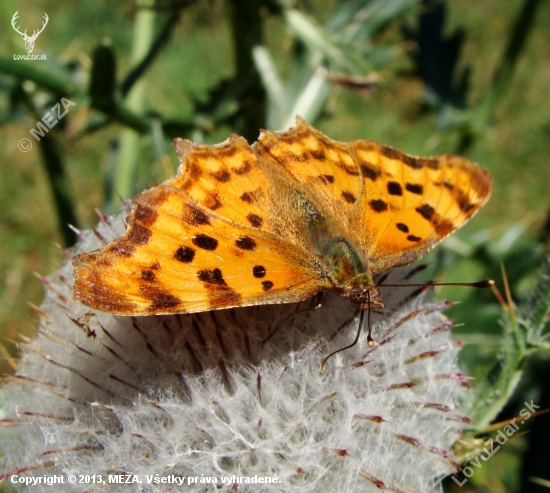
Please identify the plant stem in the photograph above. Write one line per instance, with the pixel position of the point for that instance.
(247, 27)
(59, 186)
(125, 172)
(504, 73)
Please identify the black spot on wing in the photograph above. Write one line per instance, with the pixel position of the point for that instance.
(267, 285)
(211, 276)
(431, 163)
(138, 234)
(426, 211)
(194, 172)
(390, 152)
(244, 169)
(195, 216)
(185, 254)
(160, 300)
(370, 172)
(378, 205)
(223, 152)
(464, 201)
(412, 162)
(319, 155)
(255, 220)
(444, 227)
(148, 275)
(258, 271)
(213, 202)
(350, 171)
(223, 176)
(419, 163)
(402, 227)
(247, 197)
(145, 215)
(413, 238)
(224, 296)
(245, 243)
(446, 184)
(348, 197)
(219, 293)
(414, 188)
(394, 188)
(205, 242)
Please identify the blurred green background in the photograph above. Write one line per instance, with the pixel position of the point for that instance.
(465, 76)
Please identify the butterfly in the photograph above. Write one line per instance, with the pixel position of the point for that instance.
(293, 215)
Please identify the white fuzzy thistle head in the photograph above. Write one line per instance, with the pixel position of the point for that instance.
(204, 395)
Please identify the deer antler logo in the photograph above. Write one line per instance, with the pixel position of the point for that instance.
(29, 40)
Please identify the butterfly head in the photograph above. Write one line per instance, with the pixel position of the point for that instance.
(363, 296)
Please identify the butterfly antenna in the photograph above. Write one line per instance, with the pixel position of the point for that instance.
(361, 318)
(480, 284)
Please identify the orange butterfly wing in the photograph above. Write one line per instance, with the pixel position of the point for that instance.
(410, 203)
(322, 167)
(394, 206)
(210, 238)
(226, 178)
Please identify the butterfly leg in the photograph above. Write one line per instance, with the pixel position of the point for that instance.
(317, 303)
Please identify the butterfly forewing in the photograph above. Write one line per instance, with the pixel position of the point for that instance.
(410, 203)
(179, 257)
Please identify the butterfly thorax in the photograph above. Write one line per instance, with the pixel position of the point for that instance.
(353, 279)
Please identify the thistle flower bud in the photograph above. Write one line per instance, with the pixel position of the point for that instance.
(228, 396)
